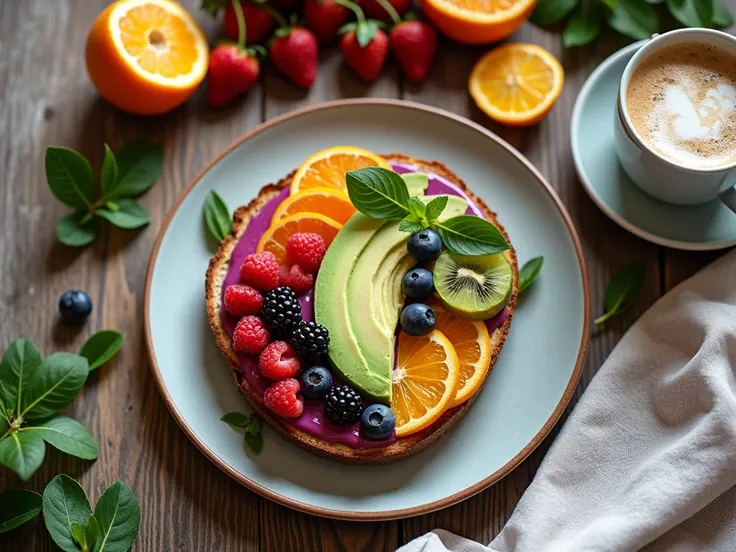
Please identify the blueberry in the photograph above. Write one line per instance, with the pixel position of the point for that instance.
(417, 319)
(75, 306)
(424, 246)
(315, 382)
(377, 421)
(418, 284)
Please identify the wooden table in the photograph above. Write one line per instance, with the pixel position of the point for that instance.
(187, 503)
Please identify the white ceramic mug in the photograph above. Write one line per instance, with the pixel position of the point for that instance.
(658, 176)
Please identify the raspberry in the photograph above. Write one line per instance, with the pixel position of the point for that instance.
(279, 361)
(250, 336)
(296, 279)
(260, 270)
(307, 250)
(242, 300)
(282, 398)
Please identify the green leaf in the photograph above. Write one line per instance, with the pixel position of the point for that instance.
(654, 1)
(254, 442)
(692, 13)
(623, 288)
(435, 208)
(416, 183)
(66, 435)
(17, 507)
(76, 229)
(17, 368)
(548, 12)
(254, 427)
(470, 235)
(378, 193)
(53, 385)
(85, 535)
(129, 214)
(92, 532)
(634, 18)
(119, 517)
(23, 453)
(69, 177)
(217, 216)
(109, 173)
(417, 208)
(101, 347)
(139, 166)
(365, 31)
(236, 419)
(410, 225)
(64, 503)
(213, 7)
(722, 17)
(79, 535)
(584, 26)
(529, 272)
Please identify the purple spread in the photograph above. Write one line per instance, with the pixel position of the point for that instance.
(312, 421)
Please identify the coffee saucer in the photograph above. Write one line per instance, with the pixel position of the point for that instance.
(698, 228)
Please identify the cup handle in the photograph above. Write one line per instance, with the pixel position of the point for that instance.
(728, 198)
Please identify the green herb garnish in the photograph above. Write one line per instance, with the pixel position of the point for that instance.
(529, 273)
(622, 289)
(217, 216)
(252, 426)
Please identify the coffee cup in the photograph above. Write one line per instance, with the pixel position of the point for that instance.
(673, 155)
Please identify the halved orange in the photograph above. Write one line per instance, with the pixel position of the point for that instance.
(330, 202)
(327, 168)
(146, 56)
(274, 239)
(472, 345)
(424, 382)
(516, 84)
(478, 21)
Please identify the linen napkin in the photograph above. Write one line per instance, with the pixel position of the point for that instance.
(647, 459)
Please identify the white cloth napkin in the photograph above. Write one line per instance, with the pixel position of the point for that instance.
(647, 459)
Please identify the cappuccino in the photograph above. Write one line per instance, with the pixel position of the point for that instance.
(682, 102)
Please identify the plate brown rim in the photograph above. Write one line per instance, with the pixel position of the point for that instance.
(387, 514)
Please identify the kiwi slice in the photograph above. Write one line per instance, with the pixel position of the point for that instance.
(473, 288)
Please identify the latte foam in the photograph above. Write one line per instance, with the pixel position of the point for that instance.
(682, 102)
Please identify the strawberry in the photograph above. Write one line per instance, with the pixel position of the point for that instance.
(257, 20)
(414, 44)
(325, 17)
(232, 71)
(365, 47)
(295, 52)
(375, 10)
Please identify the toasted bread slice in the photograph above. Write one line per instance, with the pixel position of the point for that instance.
(402, 448)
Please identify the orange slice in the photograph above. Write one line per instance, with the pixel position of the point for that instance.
(424, 382)
(327, 168)
(516, 84)
(327, 201)
(274, 239)
(472, 345)
(146, 56)
(478, 21)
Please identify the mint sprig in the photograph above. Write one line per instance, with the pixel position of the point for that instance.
(382, 194)
(251, 426)
(217, 216)
(122, 178)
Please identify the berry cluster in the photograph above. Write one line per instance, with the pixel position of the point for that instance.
(418, 284)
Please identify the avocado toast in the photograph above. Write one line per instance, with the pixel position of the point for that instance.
(362, 329)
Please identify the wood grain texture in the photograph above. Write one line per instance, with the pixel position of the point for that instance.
(187, 503)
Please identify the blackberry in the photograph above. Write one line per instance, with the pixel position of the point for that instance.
(310, 340)
(281, 311)
(343, 405)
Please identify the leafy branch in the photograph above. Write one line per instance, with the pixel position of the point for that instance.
(251, 426)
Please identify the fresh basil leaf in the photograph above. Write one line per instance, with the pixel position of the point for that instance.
(692, 13)
(584, 26)
(410, 225)
(129, 214)
(119, 517)
(378, 193)
(69, 176)
(435, 208)
(55, 383)
(634, 18)
(470, 235)
(17, 369)
(77, 229)
(79, 536)
(365, 31)
(217, 216)
(17, 507)
(722, 17)
(548, 12)
(529, 272)
(622, 289)
(254, 442)
(64, 503)
(23, 453)
(236, 419)
(101, 347)
(416, 183)
(139, 166)
(109, 173)
(66, 435)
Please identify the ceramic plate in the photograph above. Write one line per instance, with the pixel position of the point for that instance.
(699, 228)
(526, 393)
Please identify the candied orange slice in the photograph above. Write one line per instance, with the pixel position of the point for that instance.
(327, 168)
(330, 202)
(274, 239)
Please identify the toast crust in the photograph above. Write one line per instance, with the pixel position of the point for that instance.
(402, 448)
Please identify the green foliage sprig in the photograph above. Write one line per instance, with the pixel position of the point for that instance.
(251, 426)
(622, 289)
